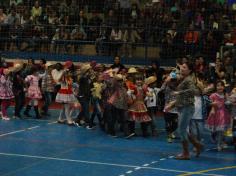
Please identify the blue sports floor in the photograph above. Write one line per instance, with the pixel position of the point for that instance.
(45, 148)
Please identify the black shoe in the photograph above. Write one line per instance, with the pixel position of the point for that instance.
(90, 127)
(27, 114)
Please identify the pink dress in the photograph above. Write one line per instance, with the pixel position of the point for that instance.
(33, 91)
(220, 120)
(5, 88)
(138, 111)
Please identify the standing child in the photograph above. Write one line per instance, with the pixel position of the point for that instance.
(232, 101)
(170, 117)
(151, 101)
(33, 92)
(219, 119)
(137, 110)
(6, 93)
(47, 88)
(66, 97)
(96, 92)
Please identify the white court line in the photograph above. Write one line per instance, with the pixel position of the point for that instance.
(129, 172)
(13, 132)
(97, 163)
(33, 127)
(52, 123)
(137, 168)
(19, 131)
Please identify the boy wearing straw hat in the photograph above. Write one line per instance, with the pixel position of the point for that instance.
(151, 100)
(18, 88)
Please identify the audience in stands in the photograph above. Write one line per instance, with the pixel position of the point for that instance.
(203, 25)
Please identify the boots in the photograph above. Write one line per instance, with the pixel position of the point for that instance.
(185, 155)
(36, 109)
(131, 129)
(198, 146)
(144, 127)
(26, 113)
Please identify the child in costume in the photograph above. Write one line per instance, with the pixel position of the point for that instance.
(219, 119)
(33, 92)
(151, 100)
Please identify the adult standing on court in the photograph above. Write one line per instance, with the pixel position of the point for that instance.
(185, 106)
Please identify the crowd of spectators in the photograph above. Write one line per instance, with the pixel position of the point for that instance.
(178, 27)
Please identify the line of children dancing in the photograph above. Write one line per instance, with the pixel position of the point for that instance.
(122, 98)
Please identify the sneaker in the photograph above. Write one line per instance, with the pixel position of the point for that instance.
(90, 127)
(70, 123)
(5, 118)
(113, 135)
(129, 135)
(82, 122)
(77, 124)
(169, 140)
(173, 136)
(219, 148)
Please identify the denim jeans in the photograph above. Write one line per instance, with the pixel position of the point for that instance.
(19, 103)
(196, 128)
(185, 115)
(84, 114)
(47, 101)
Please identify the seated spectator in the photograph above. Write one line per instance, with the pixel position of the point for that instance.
(191, 40)
(200, 66)
(101, 43)
(116, 40)
(12, 17)
(93, 26)
(83, 21)
(2, 16)
(209, 46)
(130, 38)
(77, 34)
(166, 47)
(36, 10)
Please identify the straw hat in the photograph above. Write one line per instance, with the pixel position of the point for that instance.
(132, 70)
(119, 77)
(84, 68)
(150, 80)
(17, 67)
(48, 64)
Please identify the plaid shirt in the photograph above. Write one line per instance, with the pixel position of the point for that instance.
(186, 92)
(47, 83)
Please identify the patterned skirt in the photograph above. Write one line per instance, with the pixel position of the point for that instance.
(6, 94)
(65, 96)
(34, 92)
(138, 112)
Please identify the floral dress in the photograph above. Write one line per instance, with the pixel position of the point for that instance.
(219, 117)
(5, 88)
(33, 91)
